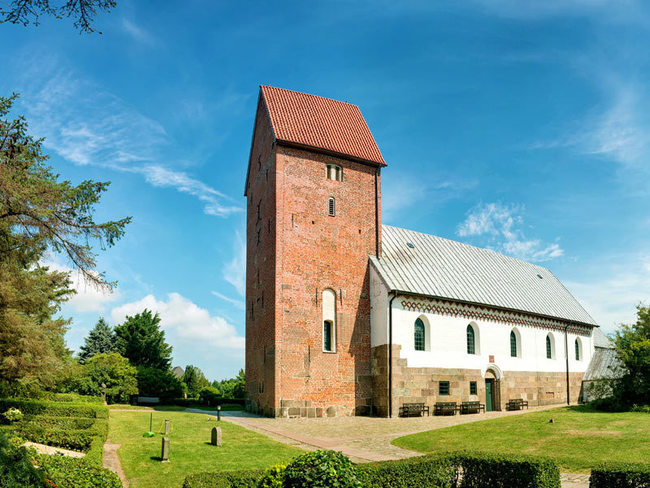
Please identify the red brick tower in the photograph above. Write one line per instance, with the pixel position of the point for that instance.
(313, 218)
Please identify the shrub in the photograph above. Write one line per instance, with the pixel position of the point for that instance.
(66, 472)
(53, 409)
(481, 470)
(13, 415)
(75, 398)
(62, 422)
(16, 468)
(226, 479)
(321, 469)
(77, 440)
(424, 471)
(620, 476)
(273, 477)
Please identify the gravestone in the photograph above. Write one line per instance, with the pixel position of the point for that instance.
(167, 426)
(164, 456)
(216, 436)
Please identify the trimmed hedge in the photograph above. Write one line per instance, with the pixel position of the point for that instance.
(619, 475)
(73, 398)
(76, 440)
(480, 470)
(54, 409)
(66, 472)
(226, 479)
(61, 422)
(426, 471)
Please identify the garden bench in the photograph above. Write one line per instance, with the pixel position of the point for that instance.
(472, 407)
(445, 408)
(413, 410)
(516, 404)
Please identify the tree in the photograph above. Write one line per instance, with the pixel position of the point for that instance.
(111, 370)
(159, 383)
(141, 340)
(101, 339)
(194, 380)
(38, 212)
(28, 11)
(632, 344)
(233, 387)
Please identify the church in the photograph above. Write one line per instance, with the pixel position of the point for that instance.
(347, 316)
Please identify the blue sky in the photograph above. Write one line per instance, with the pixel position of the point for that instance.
(523, 126)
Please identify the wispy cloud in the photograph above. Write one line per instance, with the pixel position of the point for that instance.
(237, 303)
(500, 225)
(235, 270)
(138, 33)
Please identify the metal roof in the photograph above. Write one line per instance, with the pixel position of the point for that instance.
(601, 340)
(604, 364)
(442, 268)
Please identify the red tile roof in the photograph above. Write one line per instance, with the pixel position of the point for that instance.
(320, 123)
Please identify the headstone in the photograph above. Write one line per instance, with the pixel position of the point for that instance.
(167, 426)
(164, 456)
(216, 436)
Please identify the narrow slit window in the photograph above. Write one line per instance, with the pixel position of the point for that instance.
(513, 344)
(327, 336)
(549, 347)
(419, 335)
(471, 343)
(328, 304)
(332, 206)
(577, 347)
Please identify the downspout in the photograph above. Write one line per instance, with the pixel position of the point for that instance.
(390, 355)
(377, 212)
(566, 350)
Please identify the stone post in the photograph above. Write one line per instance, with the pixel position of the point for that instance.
(218, 413)
(164, 456)
(167, 426)
(216, 436)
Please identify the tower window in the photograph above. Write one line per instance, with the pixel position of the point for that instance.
(334, 172)
(329, 320)
(332, 206)
(327, 336)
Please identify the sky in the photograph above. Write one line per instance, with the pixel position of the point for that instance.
(521, 126)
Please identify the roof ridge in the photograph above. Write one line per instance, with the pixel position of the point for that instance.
(308, 94)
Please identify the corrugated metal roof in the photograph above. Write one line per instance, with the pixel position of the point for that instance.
(601, 340)
(320, 123)
(604, 364)
(442, 268)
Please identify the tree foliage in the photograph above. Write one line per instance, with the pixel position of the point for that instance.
(101, 339)
(233, 387)
(141, 340)
(632, 344)
(158, 383)
(194, 380)
(27, 12)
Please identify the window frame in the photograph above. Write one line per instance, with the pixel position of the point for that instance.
(471, 346)
(578, 349)
(331, 207)
(550, 346)
(333, 172)
(419, 322)
(473, 388)
(440, 388)
(332, 346)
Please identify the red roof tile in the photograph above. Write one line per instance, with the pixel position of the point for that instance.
(320, 123)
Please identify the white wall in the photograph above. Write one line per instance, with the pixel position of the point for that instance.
(447, 342)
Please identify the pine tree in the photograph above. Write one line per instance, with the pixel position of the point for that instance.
(100, 340)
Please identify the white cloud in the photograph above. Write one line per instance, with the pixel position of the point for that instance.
(138, 33)
(235, 270)
(237, 303)
(88, 297)
(501, 225)
(184, 321)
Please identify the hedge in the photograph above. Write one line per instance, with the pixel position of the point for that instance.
(54, 409)
(496, 471)
(66, 472)
(60, 422)
(426, 471)
(76, 440)
(73, 398)
(619, 475)
(226, 479)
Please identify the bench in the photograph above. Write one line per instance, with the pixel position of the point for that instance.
(471, 407)
(516, 404)
(445, 408)
(413, 410)
(143, 400)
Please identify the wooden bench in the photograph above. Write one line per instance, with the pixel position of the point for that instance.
(413, 410)
(516, 404)
(445, 408)
(471, 407)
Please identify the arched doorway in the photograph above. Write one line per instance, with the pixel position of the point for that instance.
(492, 389)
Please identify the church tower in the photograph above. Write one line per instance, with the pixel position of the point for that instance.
(313, 221)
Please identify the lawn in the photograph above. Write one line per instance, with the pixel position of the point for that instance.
(190, 450)
(578, 439)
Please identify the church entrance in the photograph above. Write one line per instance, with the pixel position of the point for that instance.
(489, 394)
(492, 388)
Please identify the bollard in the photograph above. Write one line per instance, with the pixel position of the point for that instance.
(164, 455)
(167, 426)
(216, 436)
(218, 413)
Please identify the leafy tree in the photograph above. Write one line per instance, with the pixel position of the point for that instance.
(16, 467)
(101, 339)
(28, 11)
(111, 370)
(632, 344)
(233, 387)
(141, 340)
(38, 212)
(194, 380)
(159, 383)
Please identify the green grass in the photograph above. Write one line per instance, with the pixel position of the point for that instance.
(579, 438)
(190, 451)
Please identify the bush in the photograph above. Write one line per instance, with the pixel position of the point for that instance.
(66, 472)
(73, 423)
(210, 395)
(620, 476)
(273, 477)
(75, 398)
(76, 440)
(226, 479)
(425, 471)
(13, 415)
(53, 409)
(321, 469)
(16, 468)
(481, 470)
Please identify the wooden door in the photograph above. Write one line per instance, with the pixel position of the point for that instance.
(489, 386)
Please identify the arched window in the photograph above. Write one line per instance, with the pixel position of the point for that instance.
(334, 172)
(550, 347)
(513, 344)
(578, 349)
(329, 320)
(419, 335)
(471, 340)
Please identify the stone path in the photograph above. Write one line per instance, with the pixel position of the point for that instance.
(43, 449)
(111, 461)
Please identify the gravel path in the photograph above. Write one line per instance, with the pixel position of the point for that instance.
(111, 461)
(43, 449)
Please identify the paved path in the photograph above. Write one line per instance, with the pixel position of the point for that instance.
(111, 461)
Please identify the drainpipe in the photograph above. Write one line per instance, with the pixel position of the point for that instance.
(566, 350)
(390, 355)
(377, 213)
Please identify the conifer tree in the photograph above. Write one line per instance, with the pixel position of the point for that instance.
(142, 342)
(100, 340)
